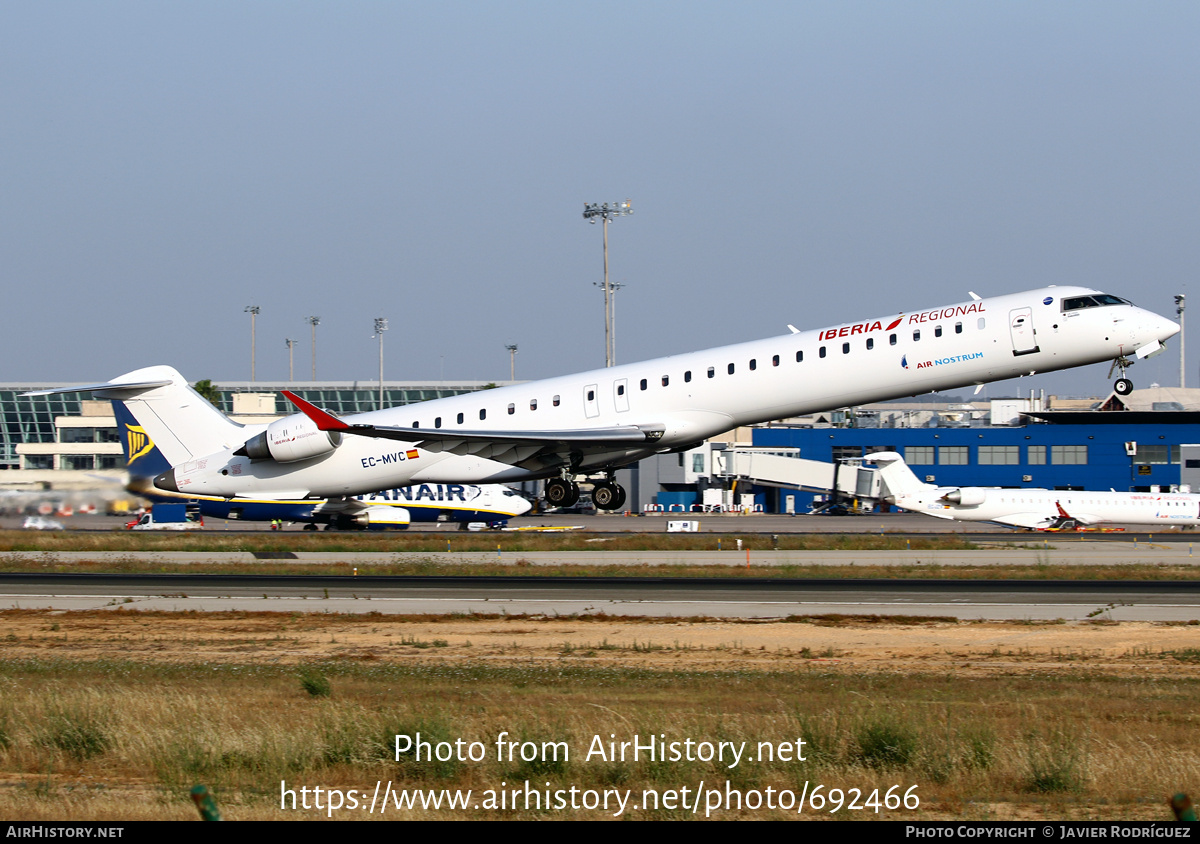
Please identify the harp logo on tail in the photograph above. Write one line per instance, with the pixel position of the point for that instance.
(138, 442)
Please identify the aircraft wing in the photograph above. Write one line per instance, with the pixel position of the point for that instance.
(1032, 521)
(516, 447)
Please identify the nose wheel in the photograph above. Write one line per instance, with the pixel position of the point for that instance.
(1123, 386)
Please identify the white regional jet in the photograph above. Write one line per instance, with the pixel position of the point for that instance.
(1035, 509)
(595, 422)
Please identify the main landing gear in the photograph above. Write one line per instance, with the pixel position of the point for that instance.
(1123, 386)
(561, 492)
(607, 495)
(564, 492)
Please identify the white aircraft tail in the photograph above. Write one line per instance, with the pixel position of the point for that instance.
(181, 422)
(896, 476)
(175, 417)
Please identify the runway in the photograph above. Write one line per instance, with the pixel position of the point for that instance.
(1173, 601)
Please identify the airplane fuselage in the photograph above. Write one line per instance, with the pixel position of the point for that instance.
(690, 397)
(1041, 508)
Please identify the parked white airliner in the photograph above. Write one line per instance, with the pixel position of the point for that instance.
(598, 421)
(1036, 509)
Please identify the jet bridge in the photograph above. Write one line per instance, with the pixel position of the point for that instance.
(784, 467)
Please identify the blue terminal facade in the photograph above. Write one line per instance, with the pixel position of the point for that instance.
(1068, 450)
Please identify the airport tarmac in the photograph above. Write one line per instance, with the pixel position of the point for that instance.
(896, 522)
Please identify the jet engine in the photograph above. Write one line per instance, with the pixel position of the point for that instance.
(383, 517)
(968, 496)
(292, 438)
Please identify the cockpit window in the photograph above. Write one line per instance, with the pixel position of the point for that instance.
(1074, 303)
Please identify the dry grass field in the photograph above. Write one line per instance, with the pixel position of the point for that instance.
(115, 715)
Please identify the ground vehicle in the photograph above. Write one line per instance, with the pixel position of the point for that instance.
(41, 523)
(165, 517)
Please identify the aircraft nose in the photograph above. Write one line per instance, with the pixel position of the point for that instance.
(1163, 328)
(166, 481)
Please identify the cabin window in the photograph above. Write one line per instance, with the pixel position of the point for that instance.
(460, 419)
(958, 328)
(644, 383)
(892, 340)
(556, 401)
(711, 372)
(482, 414)
(687, 376)
(533, 403)
(666, 380)
(620, 389)
(591, 395)
(937, 332)
(731, 369)
(982, 323)
(437, 422)
(917, 334)
(775, 360)
(753, 364)
(821, 352)
(845, 348)
(416, 424)
(870, 343)
(800, 356)
(512, 408)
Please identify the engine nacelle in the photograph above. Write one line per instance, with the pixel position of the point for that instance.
(967, 496)
(292, 438)
(384, 517)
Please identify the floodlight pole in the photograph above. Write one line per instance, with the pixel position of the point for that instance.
(253, 310)
(291, 360)
(1180, 303)
(314, 321)
(512, 361)
(381, 325)
(607, 212)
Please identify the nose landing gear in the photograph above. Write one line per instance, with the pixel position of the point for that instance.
(1123, 386)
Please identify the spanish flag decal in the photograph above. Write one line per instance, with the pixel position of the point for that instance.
(412, 454)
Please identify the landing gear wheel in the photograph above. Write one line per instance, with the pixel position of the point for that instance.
(608, 496)
(561, 492)
(1123, 387)
(310, 526)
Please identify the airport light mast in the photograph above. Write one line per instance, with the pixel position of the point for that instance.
(1180, 302)
(381, 325)
(291, 360)
(606, 212)
(253, 310)
(512, 361)
(314, 321)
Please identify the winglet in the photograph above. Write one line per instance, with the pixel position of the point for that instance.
(325, 421)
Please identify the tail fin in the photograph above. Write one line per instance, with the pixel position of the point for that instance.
(898, 478)
(142, 457)
(176, 419)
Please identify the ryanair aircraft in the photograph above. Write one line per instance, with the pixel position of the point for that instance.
(596, 422)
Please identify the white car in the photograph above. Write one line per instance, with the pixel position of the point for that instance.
(41, 523)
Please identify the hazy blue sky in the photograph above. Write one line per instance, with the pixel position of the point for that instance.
(163, 165)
